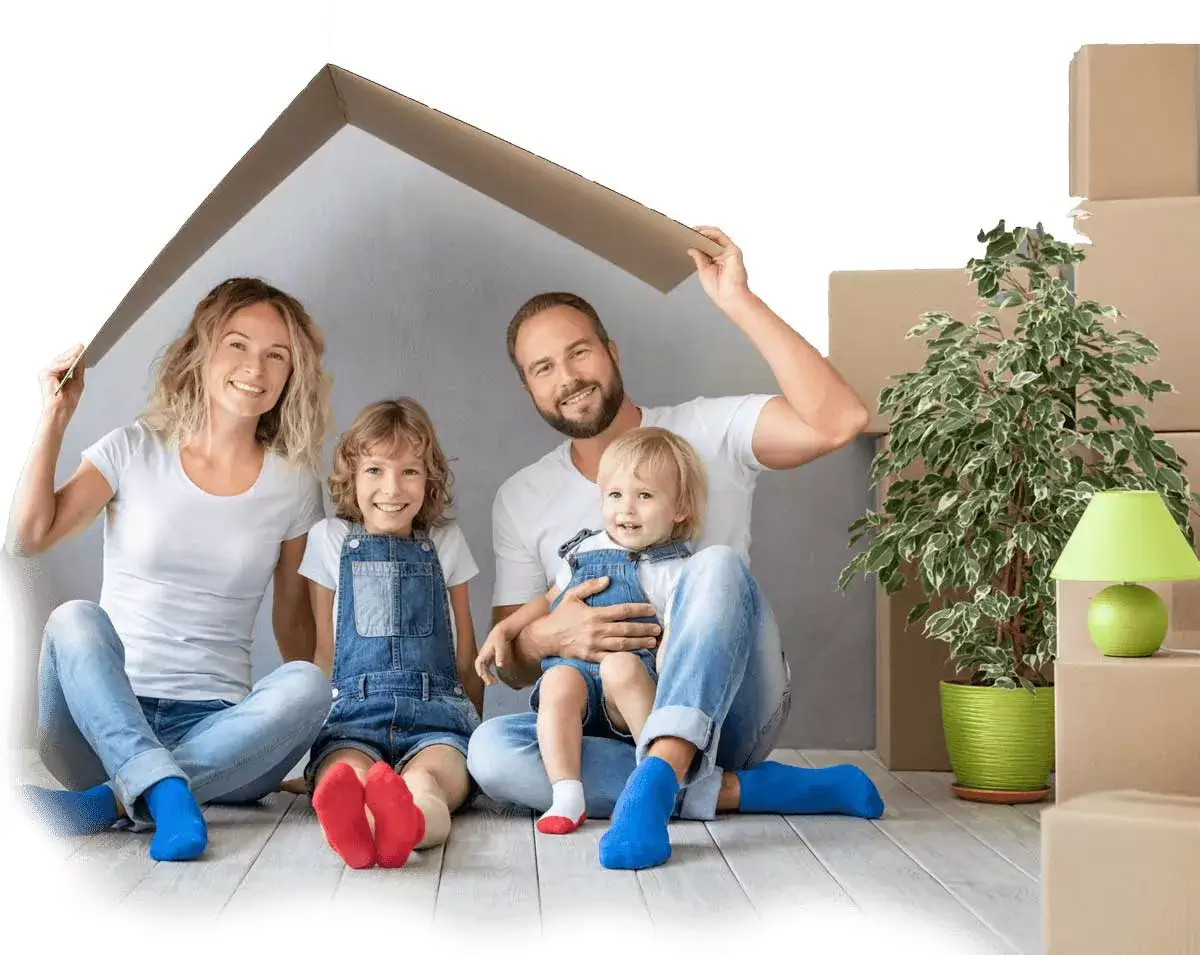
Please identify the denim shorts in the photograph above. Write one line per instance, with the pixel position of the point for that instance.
(392, 727)
(596, 721)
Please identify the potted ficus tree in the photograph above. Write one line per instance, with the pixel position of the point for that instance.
(1018, 416)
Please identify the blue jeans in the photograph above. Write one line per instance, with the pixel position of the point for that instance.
(724, 687)
(92, 729)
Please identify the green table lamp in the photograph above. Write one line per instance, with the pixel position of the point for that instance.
(1127, 536)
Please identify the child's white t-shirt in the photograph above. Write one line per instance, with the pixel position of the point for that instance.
(658, 578)
(185, 571)
(544, 504)
(323, 553)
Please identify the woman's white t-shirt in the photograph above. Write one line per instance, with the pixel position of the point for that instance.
(323, 553)
(185, 571)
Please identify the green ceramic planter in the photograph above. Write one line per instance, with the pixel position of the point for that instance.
(999, 740)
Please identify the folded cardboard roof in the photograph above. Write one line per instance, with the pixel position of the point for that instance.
(643, 242)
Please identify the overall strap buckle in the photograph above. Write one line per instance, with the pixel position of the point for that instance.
(575, 542)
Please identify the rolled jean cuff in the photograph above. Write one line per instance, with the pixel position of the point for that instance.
(139, 774)
(686, 723)
(699, 800)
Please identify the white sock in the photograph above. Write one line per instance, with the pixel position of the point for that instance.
(566, 804)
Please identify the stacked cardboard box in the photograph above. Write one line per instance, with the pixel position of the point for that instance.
(1118, 846)
(1135, 160)
(1119, 875)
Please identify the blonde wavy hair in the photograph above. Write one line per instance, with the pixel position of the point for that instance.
(295, 428)
(392, 423)
(664, 454)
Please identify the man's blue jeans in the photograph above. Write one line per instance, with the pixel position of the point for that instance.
(92, 729)
(724, 686)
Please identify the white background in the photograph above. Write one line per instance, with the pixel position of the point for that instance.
(881, 135)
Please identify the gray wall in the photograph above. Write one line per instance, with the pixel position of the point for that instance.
(413, 278)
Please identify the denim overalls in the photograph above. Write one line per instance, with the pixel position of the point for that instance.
(621, 567)
(395, 678)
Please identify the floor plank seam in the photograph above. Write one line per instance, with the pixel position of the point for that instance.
(1003, 939)
(960, 825)
(789, 820)
(959, 900)
(145, 875)
(537, 873)
(721, 855)
(437, 885)
(261, 849)
(732, 871)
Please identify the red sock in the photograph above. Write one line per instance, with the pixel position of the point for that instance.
(559, 825)
(338, 802)
(399, 823)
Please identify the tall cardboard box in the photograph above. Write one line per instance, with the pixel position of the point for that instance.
(1133, 131)
(908, 668)
(1120, 875)
(869, 314)
(1142, 260)
(1128, 724)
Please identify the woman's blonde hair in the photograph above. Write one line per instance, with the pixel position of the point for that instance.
(295, 428)
(657, 451)
(388, 424)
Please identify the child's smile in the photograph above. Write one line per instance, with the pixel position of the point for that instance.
(390, 488)
(640, 510)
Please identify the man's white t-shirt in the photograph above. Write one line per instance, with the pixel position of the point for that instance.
(323, 553)
(658, 578)
(185, 571)
(546, 503)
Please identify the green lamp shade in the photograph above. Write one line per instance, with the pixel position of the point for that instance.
(1127, 536)
(1123, 537)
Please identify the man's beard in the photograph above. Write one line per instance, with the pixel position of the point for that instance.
(610, 404)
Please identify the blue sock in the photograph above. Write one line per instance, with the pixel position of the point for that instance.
(779, 788)
(73, 814)
(179, 829)
(637, 836)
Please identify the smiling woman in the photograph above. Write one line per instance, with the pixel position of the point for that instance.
(145, 707)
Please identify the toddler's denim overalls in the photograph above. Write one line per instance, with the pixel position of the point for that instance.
(396, 689)
(620, 566)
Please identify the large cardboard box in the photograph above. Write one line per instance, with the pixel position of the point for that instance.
(1120, 872)
(1128, 724)
(869, 314)
(908, 668)
(1133, 130)
(1182, 598)
(1142, 260)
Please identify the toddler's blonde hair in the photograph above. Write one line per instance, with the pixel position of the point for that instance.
(656, 451)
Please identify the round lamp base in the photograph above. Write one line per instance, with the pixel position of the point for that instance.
(1127, 620)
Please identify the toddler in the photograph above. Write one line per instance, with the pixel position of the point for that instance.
(653, 491)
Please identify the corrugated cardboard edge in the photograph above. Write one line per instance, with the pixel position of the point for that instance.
(626, 233)
(633, 237)
(308, 122)
(1077, 116)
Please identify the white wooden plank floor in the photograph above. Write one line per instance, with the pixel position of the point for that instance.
(968, 872)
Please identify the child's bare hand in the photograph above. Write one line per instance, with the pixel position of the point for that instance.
(484, 662)
(493, 653)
